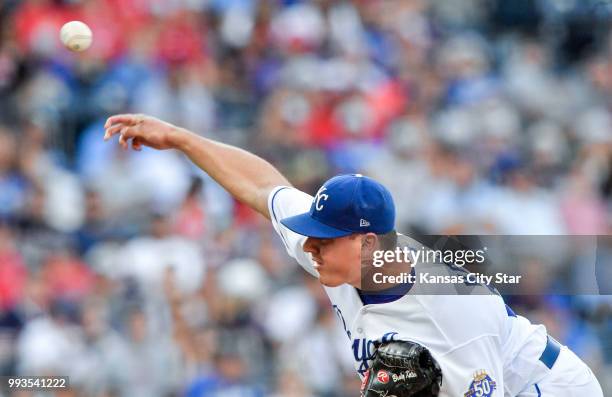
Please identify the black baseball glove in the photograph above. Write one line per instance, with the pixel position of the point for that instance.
(402, 369)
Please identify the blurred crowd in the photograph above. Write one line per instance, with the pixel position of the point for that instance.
(137, 275)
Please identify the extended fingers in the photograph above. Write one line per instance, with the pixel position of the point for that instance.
(127, 118)
(127, 134)
(128, 126)
(112, 130)
(114, 123)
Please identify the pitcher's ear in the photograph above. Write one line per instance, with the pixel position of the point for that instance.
(369, 241)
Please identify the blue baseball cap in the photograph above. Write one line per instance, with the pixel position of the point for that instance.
(344, 205)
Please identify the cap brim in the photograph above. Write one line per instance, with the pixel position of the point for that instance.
(306, 226)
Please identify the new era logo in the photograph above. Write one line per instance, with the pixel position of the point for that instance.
(363, 223)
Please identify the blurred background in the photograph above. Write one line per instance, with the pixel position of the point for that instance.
(136, 275)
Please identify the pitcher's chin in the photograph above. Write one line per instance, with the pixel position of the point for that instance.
(328, 281)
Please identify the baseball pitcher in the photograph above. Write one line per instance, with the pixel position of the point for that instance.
(481, 347)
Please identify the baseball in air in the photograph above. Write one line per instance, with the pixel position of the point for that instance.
(76, 36)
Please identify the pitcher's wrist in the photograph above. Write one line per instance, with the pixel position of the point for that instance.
(177, 137)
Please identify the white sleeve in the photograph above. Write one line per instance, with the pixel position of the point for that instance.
(284, 202)
(474, 369)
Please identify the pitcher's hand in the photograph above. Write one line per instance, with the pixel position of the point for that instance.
(140, 130)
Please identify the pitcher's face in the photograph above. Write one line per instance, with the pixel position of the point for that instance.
(338, 260)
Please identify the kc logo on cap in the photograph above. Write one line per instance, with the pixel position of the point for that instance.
(320, 196)
(344, 205)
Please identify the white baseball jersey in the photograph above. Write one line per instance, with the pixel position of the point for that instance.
(482, 347)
